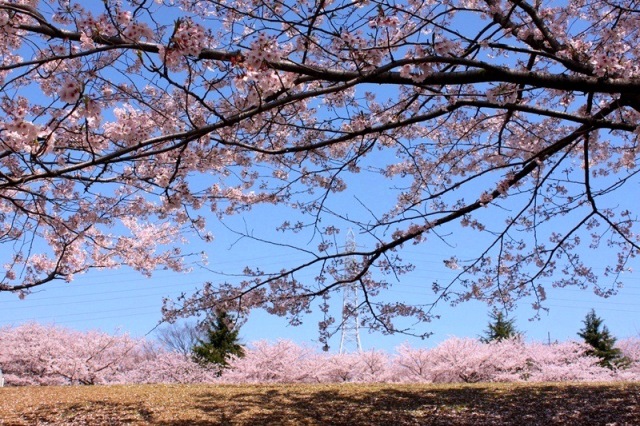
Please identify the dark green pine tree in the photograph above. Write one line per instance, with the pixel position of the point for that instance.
(602, 343)
(500, 328)
(220, 341)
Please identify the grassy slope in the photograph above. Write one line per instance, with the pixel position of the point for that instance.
(352, 404)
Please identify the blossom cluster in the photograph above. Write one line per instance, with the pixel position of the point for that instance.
(384, 21)
(70, 91)
(189, 38)
(263, 50)
(136, 31)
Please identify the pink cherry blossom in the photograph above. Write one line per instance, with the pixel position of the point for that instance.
(190, 38)
(70, 91)
(138, 30)
(35, 354)
(128, 130)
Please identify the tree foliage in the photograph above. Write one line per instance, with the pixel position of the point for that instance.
(601, 342)
(37, 354)
(124, 121)
(219, 342)
(454, 360)
(41, 355)
(500, 328)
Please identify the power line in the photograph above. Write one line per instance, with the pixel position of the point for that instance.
(91, 313)
(84, 321)
(99, 293)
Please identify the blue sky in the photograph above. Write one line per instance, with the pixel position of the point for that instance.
(125, 301)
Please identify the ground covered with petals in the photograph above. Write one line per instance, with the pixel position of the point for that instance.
(487, 404)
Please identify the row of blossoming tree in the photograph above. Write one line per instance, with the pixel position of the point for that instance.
(34, 354)
(126, 125)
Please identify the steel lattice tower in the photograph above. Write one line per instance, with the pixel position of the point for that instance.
(350, 336)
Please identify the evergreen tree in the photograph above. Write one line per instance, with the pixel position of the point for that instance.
(602, 343)
(219, 342)
(500, 328)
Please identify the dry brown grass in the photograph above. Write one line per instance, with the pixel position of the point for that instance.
(352, 404)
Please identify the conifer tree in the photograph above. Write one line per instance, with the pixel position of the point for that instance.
(500, 328)
(219, 342)
(602, 343)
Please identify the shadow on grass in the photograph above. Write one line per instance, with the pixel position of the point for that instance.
(349, 404)
(87, 413)
(477, 405)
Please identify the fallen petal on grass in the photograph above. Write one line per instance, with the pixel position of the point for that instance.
(348, 404)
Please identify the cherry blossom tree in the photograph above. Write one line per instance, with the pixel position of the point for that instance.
(455, 360)
(372, 366)
(37, 354)
(412, 364)
(127, 124)
(167, 367)
(631, 351)
(282, 361)
(462, 360)
(375, 366)
(558, 362)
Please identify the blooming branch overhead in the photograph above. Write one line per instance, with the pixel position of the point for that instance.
(516, 120)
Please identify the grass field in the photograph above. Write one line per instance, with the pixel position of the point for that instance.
(352, 404)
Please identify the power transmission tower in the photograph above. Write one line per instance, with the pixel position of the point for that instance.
(350, 336)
